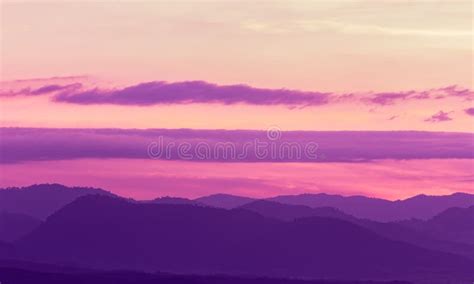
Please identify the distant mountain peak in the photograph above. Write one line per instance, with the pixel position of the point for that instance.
(224, 195)
(41, 200)
(173, 200)
(226, 201)
(56, 186)
(421, 206)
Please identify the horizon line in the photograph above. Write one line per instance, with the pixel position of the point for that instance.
(74, 187)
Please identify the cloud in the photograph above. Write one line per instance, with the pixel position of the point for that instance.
(188, 92)
(455, 91)
(43, 90)
(48, 89)
(38, 144)
(390, 98)
(160, 92)
(387, 98)
(469, 111)
(439, 117)
(191, 92)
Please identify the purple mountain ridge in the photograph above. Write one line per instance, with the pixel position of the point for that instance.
(226, 201)
(287, 212)
(22, 272)
(173, 200)
(6, 250)
(445, 239)
(14, 226)
(103, 232)
(420, 206)
(41, 200)
(456, 224)
(22, 276)
(377, 209)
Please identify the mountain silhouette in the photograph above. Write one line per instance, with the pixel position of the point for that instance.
(454, 224)
(419, 207)
(6, 250)
(226, 201)
(103, 232)
(23, 276)
(174, 200)
(288, 212)
(22, 272)
(40, 201)
(412, 233)
(377, 209)
(13, 226)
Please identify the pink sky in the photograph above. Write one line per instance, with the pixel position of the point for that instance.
(313, 45)
(326, 46)
(148, 179)
(360, 48)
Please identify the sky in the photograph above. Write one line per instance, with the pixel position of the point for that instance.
(233, 65)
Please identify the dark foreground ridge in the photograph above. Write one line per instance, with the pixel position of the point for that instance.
(101, 232)
(20, 276)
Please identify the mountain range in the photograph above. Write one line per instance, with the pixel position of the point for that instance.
(39, 201)
(14, 226)
(28, 273)
(428, 234)
(418, 207)
(93, 229)
(104, 232)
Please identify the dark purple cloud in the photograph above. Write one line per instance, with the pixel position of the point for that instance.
(387, 98)
(469, 111)
(36, 144)
(439, 117)
(160, 92)
(391, 98)
(54, 88)
(44, 90)
(455, 91)
(188, 92)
